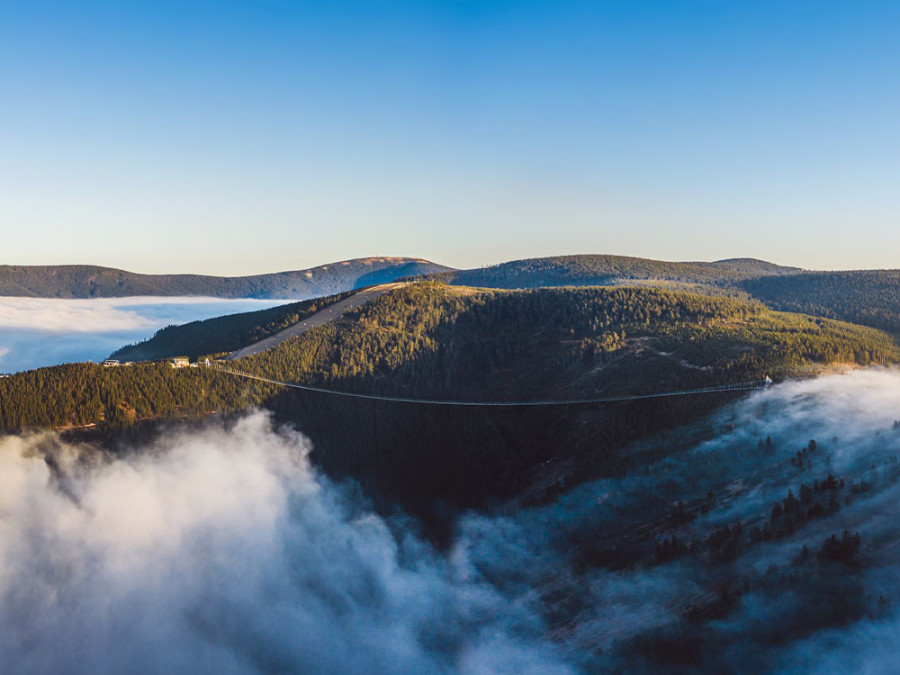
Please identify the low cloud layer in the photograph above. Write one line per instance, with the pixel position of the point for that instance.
(37, 332)
(223, 551)
(763, 612)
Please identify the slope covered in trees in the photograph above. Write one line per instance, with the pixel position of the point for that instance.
(82, 394)
(86, 281)
(870, 298)
(431, 340)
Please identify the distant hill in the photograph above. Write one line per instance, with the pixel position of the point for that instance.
(865, 297)
(87, 281)
(751, 267)
(605, 270)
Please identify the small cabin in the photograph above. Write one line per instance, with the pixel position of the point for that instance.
(111, 363)
(181, 362)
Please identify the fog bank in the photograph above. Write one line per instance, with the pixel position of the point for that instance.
(37, 332)
(224, 551)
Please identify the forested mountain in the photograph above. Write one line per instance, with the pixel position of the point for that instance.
(603, 270)
(430, 339)
(869, 297)
(438, 341)
(86, 281)
(435, 340)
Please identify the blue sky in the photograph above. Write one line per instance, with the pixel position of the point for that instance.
(244, 136)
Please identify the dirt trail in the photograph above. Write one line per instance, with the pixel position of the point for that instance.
(327, 315)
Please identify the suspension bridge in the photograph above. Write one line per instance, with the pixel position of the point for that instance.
(334, 313)
(715, 389)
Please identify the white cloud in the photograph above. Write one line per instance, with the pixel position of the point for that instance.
(111, 314)
(223, 552)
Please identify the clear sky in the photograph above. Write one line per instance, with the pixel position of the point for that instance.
(243, 136)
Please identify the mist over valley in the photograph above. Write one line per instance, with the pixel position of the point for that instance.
(222, 548)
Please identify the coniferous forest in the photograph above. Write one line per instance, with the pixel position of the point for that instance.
(432, 340)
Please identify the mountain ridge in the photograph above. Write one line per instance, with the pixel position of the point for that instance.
(602, 270)
(865, 297)
(94, 281)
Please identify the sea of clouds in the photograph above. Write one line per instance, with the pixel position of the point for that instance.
(37, 332)
(223, 550)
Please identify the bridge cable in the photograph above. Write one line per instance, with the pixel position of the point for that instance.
(723, 388)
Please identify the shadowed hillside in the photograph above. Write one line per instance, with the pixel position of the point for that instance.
(868, 297)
